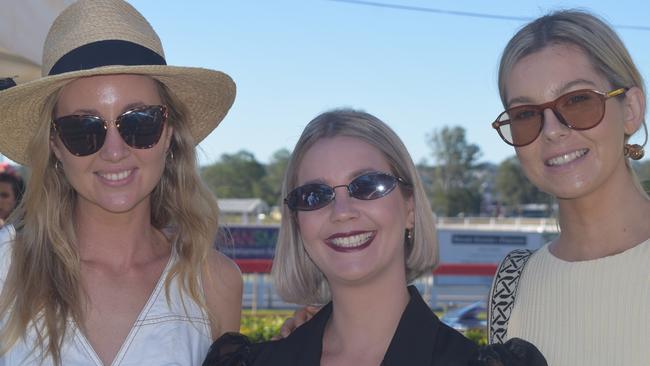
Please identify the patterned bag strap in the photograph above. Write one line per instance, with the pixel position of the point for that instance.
(502, 293)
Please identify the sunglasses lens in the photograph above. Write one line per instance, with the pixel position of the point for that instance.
(582, 109)
(522, 125)
(310, 197)
(372, 186)
(142, 128)
(81, 135)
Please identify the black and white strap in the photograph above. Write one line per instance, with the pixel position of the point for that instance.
(503, 292)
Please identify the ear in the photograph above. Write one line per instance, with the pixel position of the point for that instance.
(55, 146)
(634, 110)
(167, 136)
(410, 213)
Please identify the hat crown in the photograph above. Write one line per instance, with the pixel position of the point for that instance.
(88, 21)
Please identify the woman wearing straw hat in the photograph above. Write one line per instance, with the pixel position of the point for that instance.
(109, 258)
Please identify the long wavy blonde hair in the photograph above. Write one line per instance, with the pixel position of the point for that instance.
(43, 290)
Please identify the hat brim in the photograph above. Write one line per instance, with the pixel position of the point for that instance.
(207, 95)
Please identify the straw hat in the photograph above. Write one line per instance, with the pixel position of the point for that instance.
(99, 37)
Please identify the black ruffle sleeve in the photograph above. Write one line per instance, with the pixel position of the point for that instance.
(231, 349)
(515, 352)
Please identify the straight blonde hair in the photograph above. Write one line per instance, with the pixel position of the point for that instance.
(297, 279)
(43, 286)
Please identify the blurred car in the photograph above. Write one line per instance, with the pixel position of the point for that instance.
(470, 317)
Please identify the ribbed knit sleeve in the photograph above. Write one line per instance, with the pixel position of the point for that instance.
(593, 312)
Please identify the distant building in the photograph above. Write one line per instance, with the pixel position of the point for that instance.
(243, 210)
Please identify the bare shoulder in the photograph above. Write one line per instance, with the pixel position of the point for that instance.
(223, 292)
(224, 270)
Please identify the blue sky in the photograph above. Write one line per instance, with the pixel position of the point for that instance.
(416, 70)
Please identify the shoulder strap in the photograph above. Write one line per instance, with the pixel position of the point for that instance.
(502, 293)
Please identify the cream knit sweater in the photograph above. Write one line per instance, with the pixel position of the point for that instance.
(592, 313)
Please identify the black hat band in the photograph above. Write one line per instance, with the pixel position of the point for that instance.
(106, 53)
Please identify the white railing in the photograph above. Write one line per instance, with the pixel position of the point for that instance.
(542, 224)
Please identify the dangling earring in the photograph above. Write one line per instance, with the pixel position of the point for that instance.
(636, 151)
(633, 151)
(57, 165)
(409, 235)
(171, 155)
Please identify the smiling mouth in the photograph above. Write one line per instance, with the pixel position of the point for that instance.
(346, 243)
(566, 158)
(114, 177)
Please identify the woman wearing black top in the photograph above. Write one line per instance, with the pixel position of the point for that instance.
(356, 229)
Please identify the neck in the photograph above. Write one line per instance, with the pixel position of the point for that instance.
(606, 222)
(365, 317)
(117, 239)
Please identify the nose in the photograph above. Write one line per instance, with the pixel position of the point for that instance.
(114, 148)
(553, 128)
(343, 207)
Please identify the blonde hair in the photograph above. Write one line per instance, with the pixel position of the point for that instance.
(600, 43)
(43, 289)
(297, 279)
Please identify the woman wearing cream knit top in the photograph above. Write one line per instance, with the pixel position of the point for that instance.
(573, 98)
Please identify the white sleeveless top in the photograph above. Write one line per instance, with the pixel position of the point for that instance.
(163, 334)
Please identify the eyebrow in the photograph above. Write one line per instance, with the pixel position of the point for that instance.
(351, 176)
(96, 113)
(558, 92)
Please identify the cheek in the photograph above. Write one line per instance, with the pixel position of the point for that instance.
(527, 156)
(307, 225)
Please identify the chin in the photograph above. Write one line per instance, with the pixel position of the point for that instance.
(347, 276)
(119, 206)
(577, 190)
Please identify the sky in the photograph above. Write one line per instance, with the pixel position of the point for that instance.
(418, 70)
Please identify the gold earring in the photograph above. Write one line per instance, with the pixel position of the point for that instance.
(633, 151)
(636, 151)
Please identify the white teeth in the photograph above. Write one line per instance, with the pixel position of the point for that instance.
(351, 241)
(116, 176)
(566, 158)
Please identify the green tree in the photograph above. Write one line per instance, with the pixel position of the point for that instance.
(236, 175)
(513, 188)
(274, 176)
(455, 185)
(642, 169)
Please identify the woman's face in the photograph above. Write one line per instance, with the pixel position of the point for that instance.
(117, 178)
(564, 162)
(352, 240)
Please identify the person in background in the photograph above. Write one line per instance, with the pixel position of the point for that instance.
(110, 259)
(11, 192)
(573, 98)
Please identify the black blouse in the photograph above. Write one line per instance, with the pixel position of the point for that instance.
(420, 339)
